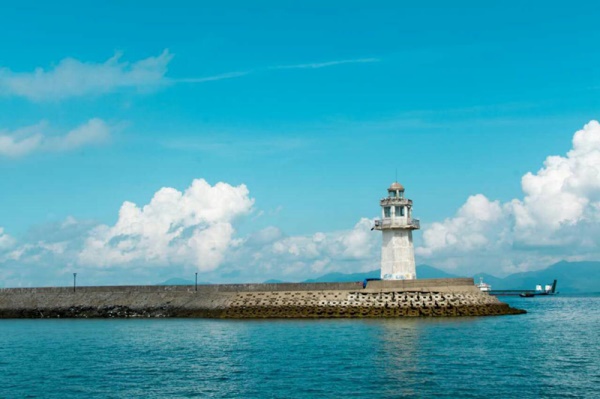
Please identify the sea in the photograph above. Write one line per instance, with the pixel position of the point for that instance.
(553, 351)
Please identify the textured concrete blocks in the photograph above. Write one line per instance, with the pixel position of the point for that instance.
(410, 298)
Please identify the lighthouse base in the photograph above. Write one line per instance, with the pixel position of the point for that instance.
(398, 255)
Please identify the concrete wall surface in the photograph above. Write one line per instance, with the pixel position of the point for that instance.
(422, 284)
(205, 288)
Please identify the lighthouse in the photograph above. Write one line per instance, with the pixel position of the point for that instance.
(397, 225)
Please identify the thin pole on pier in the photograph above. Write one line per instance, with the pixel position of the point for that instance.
(196, 284)
(74, 281)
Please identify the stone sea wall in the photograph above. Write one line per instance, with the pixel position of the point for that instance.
(413, 298)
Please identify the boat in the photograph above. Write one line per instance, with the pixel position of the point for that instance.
(546, 290)
(483, 286)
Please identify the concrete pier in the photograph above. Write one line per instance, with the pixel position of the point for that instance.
(391, 298)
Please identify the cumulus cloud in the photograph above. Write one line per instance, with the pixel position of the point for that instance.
(193, 227)
(35, 138)
(177, 233)
(557, 216)
(74, 78)
(141, 248)
(565, 192)
(47, 255)
(472, 228)
(269, 252)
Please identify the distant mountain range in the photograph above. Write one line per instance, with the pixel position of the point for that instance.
(573, 277)
(423, 271)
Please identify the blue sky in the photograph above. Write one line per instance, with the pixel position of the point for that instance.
(313, 107)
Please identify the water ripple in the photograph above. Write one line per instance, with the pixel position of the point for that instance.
(552, 351)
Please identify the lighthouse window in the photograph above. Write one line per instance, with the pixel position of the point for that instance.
(386, 212)
(399, 211)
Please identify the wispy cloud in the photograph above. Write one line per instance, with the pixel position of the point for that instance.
(222, 76)
(34, 138)
(74, 78)
(314, 65)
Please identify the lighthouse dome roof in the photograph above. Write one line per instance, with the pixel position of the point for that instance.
(396, 186)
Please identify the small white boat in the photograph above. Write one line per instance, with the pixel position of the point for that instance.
(483, 286)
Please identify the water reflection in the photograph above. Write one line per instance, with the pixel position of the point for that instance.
(411, 352)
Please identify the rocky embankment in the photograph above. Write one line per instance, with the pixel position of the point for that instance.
(416, 298)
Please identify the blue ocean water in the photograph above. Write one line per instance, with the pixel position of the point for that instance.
(553, 351)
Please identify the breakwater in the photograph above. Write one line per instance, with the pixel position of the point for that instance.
(409, 298)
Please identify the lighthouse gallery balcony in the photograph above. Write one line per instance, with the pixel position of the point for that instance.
(397, 223)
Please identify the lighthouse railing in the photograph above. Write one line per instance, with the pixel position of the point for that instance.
(400, 223)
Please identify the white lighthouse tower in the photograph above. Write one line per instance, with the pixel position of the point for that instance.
(397, 224)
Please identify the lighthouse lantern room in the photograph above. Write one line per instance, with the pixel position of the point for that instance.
(397, 225)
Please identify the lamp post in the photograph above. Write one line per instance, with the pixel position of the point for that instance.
(196, 284)
(74, 281)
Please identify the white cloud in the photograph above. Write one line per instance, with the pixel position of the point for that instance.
(178, 233)
(565, 192)
(469, 230)
(228, 75)
(268, 253)
(95, 131)
(557, 217)
(35, 138)
(15, 144)
(316, 65)
(193, 227)
(6, 241)
(313, 65)
(74, 78)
